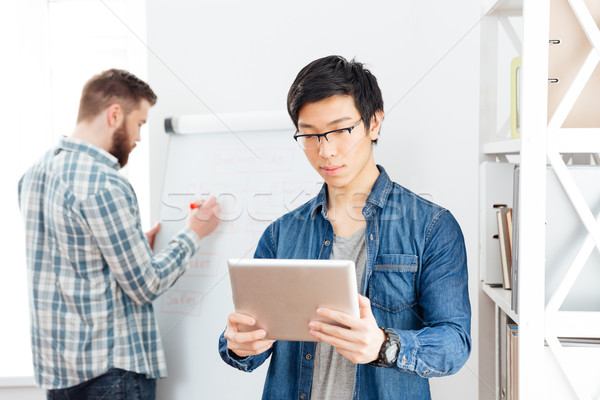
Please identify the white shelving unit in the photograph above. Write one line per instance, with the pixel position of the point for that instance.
(501, 299)
(547, 369)
(511, 146)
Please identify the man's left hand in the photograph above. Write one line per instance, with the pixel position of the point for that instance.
(360, 342)
(151, 235)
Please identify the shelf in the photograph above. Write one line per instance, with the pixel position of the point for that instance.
(577, 324)
(501, 298)
(572, 324)
(510, 146)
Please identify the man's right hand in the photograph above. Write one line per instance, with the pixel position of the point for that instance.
(245, 344)
(204, 219)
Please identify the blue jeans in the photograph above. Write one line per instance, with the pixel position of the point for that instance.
(116, 384)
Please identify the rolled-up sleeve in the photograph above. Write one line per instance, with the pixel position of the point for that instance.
(443, 345)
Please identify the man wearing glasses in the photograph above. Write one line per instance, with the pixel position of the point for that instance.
(409, 253)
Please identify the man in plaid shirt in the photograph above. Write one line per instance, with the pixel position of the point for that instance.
(91, 272)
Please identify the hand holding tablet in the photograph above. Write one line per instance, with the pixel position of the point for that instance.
(281, 296)
(245, 344)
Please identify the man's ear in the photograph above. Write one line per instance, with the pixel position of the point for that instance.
(375, 125)
(114, 115)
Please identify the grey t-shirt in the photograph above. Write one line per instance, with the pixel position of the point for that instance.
(333, 374)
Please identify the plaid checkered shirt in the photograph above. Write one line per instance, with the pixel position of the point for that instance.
(91, 273)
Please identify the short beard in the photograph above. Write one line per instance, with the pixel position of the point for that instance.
(120, 145)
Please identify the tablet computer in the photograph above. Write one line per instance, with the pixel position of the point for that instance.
(283, 295)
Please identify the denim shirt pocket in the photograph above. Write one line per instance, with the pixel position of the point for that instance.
(392, 285)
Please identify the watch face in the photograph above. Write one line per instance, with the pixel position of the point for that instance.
(391, 352)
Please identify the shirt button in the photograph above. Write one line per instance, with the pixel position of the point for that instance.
(371, 237)
(309, 357)
(302, 396)
(403, 360)
(327, 243)
(425, 372)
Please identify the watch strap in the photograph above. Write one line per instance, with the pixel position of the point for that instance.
(391, 339)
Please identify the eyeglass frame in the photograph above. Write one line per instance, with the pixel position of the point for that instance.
(320, 135)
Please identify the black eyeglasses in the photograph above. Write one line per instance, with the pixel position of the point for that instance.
(309, 142)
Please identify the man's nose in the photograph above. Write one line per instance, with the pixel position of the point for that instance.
(326, 148)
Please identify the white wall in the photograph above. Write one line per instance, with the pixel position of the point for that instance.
(41, 79)
(236, 55)
(24, 119)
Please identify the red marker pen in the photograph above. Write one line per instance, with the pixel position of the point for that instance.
(196, 205)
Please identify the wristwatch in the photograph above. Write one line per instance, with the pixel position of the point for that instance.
(388, 354)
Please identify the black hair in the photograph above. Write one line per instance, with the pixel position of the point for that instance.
(334, 75)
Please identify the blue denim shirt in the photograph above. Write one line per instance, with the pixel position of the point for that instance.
(415, 277)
